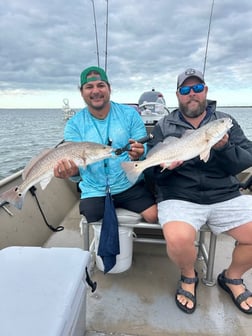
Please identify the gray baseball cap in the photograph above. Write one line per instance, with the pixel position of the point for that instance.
(189, 73)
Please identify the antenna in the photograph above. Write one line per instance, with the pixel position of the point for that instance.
(208, 35)
(106, 48)
(96, 36)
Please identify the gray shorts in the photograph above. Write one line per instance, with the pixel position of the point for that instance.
(220, 217)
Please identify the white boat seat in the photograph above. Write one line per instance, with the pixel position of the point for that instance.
(127, 217)
(134, 220)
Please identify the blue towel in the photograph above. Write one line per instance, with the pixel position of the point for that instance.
(109, 246)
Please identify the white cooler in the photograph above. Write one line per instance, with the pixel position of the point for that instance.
(43, 291)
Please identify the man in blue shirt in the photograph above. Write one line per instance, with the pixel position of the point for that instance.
(106, 122)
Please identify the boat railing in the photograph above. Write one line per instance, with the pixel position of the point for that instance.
(10, 178)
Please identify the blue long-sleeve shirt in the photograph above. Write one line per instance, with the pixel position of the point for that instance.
(122, 123)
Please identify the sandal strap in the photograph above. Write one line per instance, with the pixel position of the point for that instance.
(231, 281)
(243, 296)
(189, 280)
(190, 296)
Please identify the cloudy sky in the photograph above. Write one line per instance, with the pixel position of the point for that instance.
(44, 45)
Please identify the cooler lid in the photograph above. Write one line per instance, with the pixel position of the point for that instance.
(38, 287)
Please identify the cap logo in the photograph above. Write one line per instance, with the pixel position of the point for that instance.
(190, 72)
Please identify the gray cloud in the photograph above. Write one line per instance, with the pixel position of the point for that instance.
(45, 44)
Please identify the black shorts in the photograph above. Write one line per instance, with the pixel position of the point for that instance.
(137, 198)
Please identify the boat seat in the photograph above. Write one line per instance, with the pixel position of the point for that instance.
(206, 251)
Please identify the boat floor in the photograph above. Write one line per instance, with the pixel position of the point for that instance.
(141, 301)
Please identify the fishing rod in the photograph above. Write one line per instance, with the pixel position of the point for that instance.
(208, 35)
(96, 35)
(106, 46)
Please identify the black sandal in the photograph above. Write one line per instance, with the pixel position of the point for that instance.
(190, 296)
(222, 281)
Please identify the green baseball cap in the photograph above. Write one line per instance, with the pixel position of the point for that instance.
(101, 75)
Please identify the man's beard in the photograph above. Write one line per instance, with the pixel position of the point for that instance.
(99, 107)
(193, 112)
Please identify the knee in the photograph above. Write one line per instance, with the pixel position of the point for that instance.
(152, 218)
(176, 242)
(150, 214)
(178, 239)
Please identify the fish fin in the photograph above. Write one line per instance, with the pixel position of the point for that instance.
(165, 166)
(34, 160)
(132, 170)
(14, 197)
(62, 144)
(80, 162)
(205, 155)
(43, 183)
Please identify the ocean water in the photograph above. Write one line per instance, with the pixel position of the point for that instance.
(25, 132)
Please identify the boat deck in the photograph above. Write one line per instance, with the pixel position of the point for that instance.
(141, 302)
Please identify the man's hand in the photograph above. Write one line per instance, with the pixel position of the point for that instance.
(222, 142)
(136, 150)
(65, 168)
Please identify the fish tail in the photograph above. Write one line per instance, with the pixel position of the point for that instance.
(13, 196)
(132, 170)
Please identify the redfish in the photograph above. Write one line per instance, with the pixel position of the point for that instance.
(190, 145)
(40, 168)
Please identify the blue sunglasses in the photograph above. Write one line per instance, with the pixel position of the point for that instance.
(185, 90)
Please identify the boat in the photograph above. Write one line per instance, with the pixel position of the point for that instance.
(138, 300)
(135, 301)
(152, 106)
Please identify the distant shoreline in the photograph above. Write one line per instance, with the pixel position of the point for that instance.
(55, 108)
(235, 106)
(224, 106)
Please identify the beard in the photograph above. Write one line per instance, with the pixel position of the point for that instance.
(193, 112)
(100, 106)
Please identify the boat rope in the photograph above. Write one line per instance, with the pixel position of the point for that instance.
(33, 192)
(58, 228)
(92, 284)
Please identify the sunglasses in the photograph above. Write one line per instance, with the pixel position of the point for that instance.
(197, 88)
